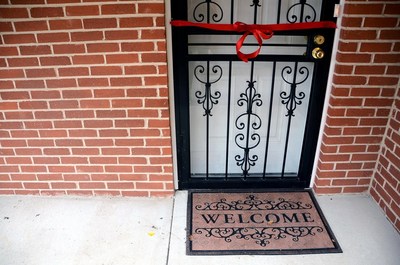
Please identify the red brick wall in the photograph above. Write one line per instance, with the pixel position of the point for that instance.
(385, 187)
(84, 98)
(365, 82)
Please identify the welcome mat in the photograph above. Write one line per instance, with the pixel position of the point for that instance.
(247, 223)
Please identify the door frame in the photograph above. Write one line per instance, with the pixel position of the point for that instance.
(313, 160)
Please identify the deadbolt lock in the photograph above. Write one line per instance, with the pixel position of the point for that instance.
(319, 39)
(318, 53)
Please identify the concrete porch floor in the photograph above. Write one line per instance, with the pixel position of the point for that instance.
(102, 230)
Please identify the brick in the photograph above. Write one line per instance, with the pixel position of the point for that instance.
(42, 72)
(19, 38)
(89, 169)
(93, 82)
(85, 151)
(386, 58)
(87, 36)
(103, 160)
(122, 58)
(154, 57)
(355, 189)
(22, 61)
(380, 22)
(358, 34)
(355, 22)
(137, 47)
(63, 185)
(33, 105)
(349, 80)
(95, 104)
(150, 8)
(363, 9)
(98, 124)
(20, 115)
(82, 133)
(347, 46)
(126, 81)
(65, 24)
(30, 26)
(120, 185)
(129, 142)
(53, 37)
(392, 9)
(11, 73)
(92, 185)
(144, 113)
(53, 133)
(55, 60)
(77, 94)
(73, 71)
(126, 123)
(102, 47)
(109, 93)
(29, 84)
(153, 34)
(149, 185)
(121, 35)
(60, 83)
(106, 70)
(45, 94)
(118, 9)
(13, 12)
(105, 177)
(127, 103)
(389, 34)
(111, 114)
(68, 124)
(38, 12)
(18, 160)
(87, 59)
(99, 23)
(385, 81)
(161, 103)
(6, 27)
(136, 22)
(68, 48)
(353, 57)
(369, 69)
(82, 10)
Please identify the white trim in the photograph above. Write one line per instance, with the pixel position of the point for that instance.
(327, 95)
(171, 90)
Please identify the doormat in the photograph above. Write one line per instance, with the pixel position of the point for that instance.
(257, 223)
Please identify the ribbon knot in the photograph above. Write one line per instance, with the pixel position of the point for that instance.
(259, 34)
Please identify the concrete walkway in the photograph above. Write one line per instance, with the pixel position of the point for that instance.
(105, 231)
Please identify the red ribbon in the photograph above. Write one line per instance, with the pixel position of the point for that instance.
(259, 31)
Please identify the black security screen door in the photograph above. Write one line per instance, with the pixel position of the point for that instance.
(254, 124)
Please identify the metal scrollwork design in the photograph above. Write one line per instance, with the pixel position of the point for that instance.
(291, 100)
(310, 16)
(214, 11)
(256, 3)
(253, 203)
(261, 235)
(207, 98)
(248, 121)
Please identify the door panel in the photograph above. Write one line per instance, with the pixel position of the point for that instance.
(254, 124)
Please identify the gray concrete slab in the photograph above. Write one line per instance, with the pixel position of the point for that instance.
(59, 230)
(101, 230)
(364, 234)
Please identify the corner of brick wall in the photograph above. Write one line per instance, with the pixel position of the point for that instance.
(365, 83)
(84, 98)
(385, 188)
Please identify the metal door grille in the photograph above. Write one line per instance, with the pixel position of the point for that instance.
(206, 92)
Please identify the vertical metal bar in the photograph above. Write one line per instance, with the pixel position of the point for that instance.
(269, 118)
(228, 119)
(302, 10)
(255, 11)
(208, 11)
(292, 92)
(279, 12)
(232, 10)
(208, 88)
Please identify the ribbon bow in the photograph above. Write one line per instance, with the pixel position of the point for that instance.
(259, 31)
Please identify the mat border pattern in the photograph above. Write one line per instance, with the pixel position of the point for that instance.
(190, 252)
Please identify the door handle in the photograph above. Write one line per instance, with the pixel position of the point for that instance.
(318, 53)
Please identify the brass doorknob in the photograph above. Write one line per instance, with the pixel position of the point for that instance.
(318, 53)
(319, 39)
